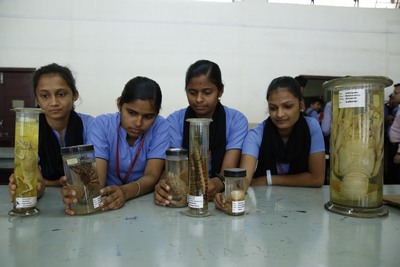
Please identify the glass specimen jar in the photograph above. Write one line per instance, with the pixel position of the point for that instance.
(26, 168)
(198, 167)
(81, 171)
(357, 138)
(234, 191)
(176, 169)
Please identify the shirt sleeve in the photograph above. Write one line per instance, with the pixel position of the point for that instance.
(160, 141)
(252, 141)
(175, 121)
(317, 138)
(97, 135)
(326, 121)
(394, 133)
(237, 128)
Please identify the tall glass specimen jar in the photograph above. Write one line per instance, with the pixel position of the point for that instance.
(357, 137)
(198, 167)
(26, 168)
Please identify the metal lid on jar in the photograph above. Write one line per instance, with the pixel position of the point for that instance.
(176, 152)
(357, 81)
(77, 149)
(234, 172)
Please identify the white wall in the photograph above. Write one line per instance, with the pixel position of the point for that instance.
(107, 42)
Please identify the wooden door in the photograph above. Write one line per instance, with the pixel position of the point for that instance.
(16, 90)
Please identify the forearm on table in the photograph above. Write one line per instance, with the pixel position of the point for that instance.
(139, 187)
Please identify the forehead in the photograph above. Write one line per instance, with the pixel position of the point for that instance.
(52, 81)
(281, 94)
(200, 82)
(141, 106)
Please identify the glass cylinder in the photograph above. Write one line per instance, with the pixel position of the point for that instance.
(234, 191)
(176, 169)
(26, 168)
(198, 167)
(357, 139)
(81, 171)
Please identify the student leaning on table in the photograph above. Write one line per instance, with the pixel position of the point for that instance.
(129, 146)
(288, 146)
(204, 88)
(59, 125)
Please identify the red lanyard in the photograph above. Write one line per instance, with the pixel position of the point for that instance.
(280, 168)
(133, 162)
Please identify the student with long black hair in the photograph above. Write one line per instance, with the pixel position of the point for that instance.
(204, 88)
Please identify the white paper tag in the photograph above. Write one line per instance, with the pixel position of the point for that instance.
(72, 161)
(97, 201)
(25, 202)
(354, 98)
(238, 206)
(195, 202)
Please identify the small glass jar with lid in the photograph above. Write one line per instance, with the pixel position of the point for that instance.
(176, 169)
(235, 191)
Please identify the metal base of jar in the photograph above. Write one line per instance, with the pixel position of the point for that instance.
(24, 212)
(196, 213)
(356, 212)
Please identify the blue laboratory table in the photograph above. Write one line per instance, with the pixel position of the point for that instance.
(284, 226)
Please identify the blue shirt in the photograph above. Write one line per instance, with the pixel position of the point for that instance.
(312, 113)
(86, 121)
(103, 135)
(236, 128)
(326, 121)
(252, 142)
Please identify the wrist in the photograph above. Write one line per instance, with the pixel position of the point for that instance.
(222, 182)
(269, 177)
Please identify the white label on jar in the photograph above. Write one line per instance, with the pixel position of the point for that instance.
(72, 161)
(25, 202)
(238, 206)
(97, 201)
(195, 202)
(354, 98)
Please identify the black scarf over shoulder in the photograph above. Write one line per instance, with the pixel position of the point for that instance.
(217, 134)
(296, 151)
(49, 147)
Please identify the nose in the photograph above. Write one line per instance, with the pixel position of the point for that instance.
(279, 112)
(138, 120)
(54, 100)
(199, 98)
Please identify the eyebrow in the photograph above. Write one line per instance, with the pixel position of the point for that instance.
(144, 114)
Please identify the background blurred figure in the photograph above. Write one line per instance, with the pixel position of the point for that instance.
(392, 127)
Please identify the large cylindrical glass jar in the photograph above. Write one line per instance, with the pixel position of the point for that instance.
(26, 168)
(357, 138)
(198, 167)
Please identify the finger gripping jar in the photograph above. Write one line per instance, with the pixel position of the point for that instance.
(234, 191)
(176, 169)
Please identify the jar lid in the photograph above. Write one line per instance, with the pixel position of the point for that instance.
(234, 172)
(76, 149)
(350, 82)
(177, 152)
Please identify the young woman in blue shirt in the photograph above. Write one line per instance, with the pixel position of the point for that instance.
(129, 145)
(204, 88)
(287, 148)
